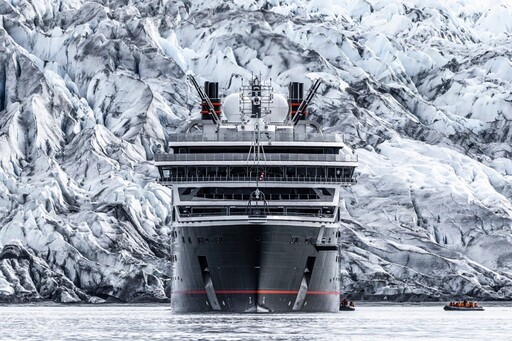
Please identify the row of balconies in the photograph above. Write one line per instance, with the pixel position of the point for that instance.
(249, 137)
(241, 157)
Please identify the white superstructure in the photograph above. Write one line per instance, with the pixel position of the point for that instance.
(256, 159)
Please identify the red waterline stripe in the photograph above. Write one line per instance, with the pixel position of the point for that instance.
(262, 291)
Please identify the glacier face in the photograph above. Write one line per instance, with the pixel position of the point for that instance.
(89, 90)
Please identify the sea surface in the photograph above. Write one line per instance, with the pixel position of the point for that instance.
(158, 322)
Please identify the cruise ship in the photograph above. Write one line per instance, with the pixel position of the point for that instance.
(256, 194)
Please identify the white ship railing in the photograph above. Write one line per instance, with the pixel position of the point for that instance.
(268, 197)
(249, 136)
(270, 179)
(257, 218)
(245, 157)
(277, 214)
(228, 211)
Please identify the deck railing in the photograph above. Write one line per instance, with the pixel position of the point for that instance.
(279, 157)
(267, 179)
(257, 212)
(249, 136)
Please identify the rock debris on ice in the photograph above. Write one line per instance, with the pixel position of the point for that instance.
(90, 90)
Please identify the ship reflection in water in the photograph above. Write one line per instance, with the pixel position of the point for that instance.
(158, 322)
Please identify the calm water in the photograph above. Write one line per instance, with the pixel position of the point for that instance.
(157, 322)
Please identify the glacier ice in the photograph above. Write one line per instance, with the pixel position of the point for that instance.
(89, 91)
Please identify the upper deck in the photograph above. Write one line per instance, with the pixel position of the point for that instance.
(233, 136)
(255, 134)
(267, 159)
(259, 156)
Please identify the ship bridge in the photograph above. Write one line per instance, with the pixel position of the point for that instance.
(256, 140)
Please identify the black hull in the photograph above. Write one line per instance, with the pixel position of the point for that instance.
(253, 268)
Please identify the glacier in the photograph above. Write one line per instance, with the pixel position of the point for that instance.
(90, 90)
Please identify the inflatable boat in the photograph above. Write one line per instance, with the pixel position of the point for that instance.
(347, 308)
(447, 307)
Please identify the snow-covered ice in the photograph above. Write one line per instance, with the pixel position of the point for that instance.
(90, 90)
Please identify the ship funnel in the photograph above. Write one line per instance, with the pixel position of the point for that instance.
(295, 98)
(211, 90)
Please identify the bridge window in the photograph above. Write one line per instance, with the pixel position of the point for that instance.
(276, 210)
(207, 211)
(293, 173)
(311, 171)
(331, 171)
(202, 211)
(222, 171)
(301, 172)
(201, 172)
(192, 171)
(237, 171)
(304, 211)
(211, 171)
(271, 194)
(290, 172)
(274, 172)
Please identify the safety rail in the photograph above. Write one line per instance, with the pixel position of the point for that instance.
(268, 197)
(249, 137)
(269, 179)
(253, 213)
(252, 158)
